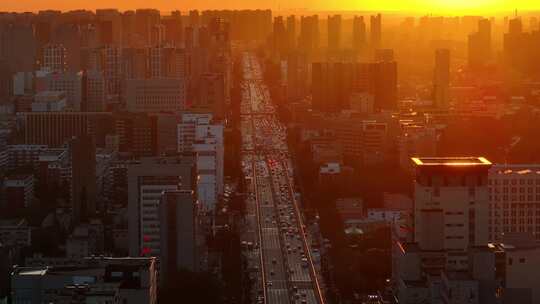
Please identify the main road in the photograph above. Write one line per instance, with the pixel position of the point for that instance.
(286, 273)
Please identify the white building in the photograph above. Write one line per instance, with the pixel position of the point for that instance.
(451, 203)
(514, 200)
(197, 133)
(68, 82)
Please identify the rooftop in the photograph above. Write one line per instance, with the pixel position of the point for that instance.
(451, 161)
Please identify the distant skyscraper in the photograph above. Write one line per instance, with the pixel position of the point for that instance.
(376, 31)
(331, 86)
(441, 78)
(479, 45)
(309, 33)
(334, 32)
(291, 32)
(359, 33)
(279, 37)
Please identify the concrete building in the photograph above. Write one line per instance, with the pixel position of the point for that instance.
(441, 79)
(415, 140)
(54, 58)
(83, 177)
(119, 280)
(95, 93)
(178, 220)
(451, 203)
(514, 200)
(155, 95)
(19, 191)
(147, 179)
(49, 101)
(69, 82)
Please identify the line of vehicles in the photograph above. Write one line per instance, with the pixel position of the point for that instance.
(279, 240)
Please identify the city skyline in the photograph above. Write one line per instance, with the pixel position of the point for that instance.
(435, 7)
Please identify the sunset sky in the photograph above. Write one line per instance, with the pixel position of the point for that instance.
(421, 6)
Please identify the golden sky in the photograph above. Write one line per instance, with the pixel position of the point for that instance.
(421, 6)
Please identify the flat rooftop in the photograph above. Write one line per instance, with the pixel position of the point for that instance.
(451, 161)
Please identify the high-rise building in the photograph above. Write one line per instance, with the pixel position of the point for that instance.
(479, 45)
(83, 177)
(279, 36)
(198, 133)
(334, 33)
(359, 33)
(155, 95)
(331, 86)
(94, 91)
(54, 58)
(309, 34)
(212, 92)
(291, 32)
(376, 31)
(514, 199)
(145, 21)
(147, 180)
(19, 47)
(441, 78)
(178, 227)
(451, 203)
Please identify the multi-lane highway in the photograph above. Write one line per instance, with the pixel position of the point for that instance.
(281, 250)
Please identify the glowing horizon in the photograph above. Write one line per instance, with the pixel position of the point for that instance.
(438, 7)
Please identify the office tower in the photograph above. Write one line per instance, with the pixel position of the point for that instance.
(194, 19)
(129, 28)
(479, 45)
(19, 47)
(155, 95)
(296, 75)
(137, 133)
(441, 79)
(514, 197)
(334, 33)
(211, 97)
(54, 58)
(134, 63)
(112, 68)
(95, 91)
(331, 86)
(309, 34)
(359, 33)
(55, 128)
(6, 80)
(157, 37)
(173, 29)
(198, 133)
(68, 82)
(279, 37)
(145, 19)
(385, 85)
(178, 226)
(147, 180)
(384, 55)
(69, 36)
(451, 203)
(167, 62)
(291, 32)
(110, 26)
(83, 177)
(376, 31)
